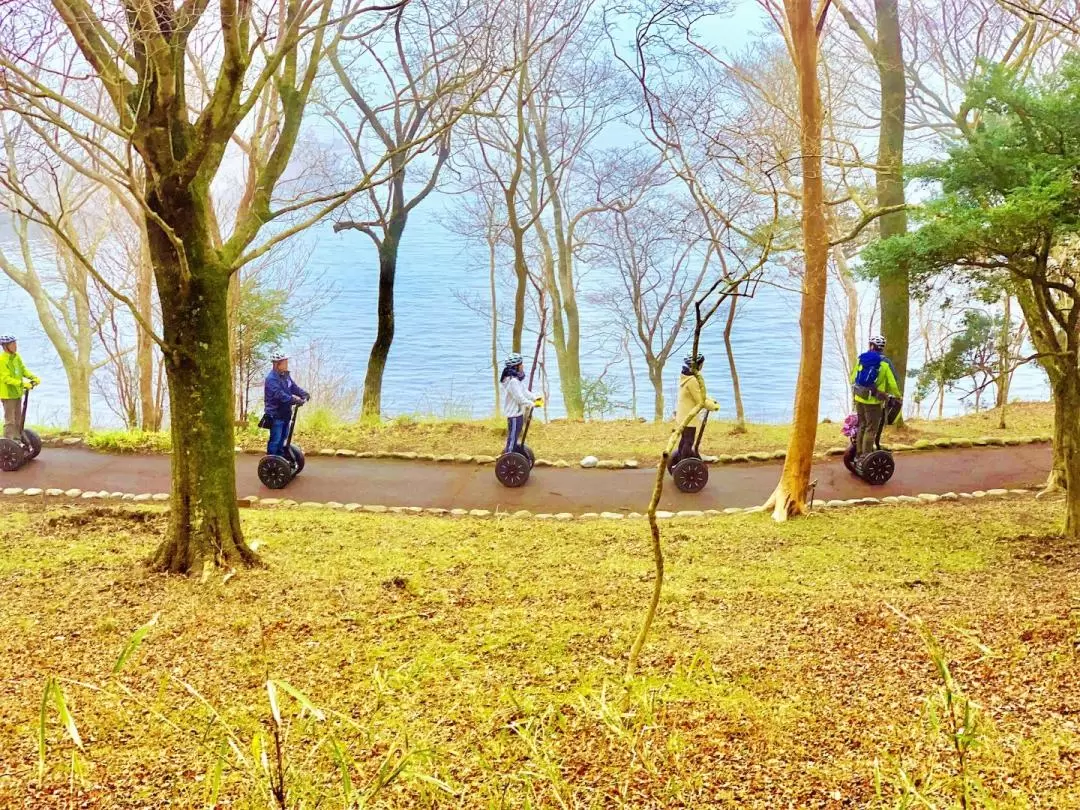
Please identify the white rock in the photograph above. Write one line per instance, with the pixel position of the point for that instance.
(522, 513)
(690, 513)
(310, 505)
(463, 459)
(929, 497)
(950, 496)
(353, 507)
(327, 451)
(142, 497)
(33, 492)
(54, 493)
(891, 500)
(375, 509)
(71, 441)
(270, 501)
(413, 510)
(997, 493)
(711, 513)
(87, 496)
(161, 497)
(13, 491)
(978, 494)
(907, 499)
(610, 516)
(72, 493)
(345, 453)
(634, 516)
(631, 464)
(834, 503)
(661, 515)
(543, 516)
(479, 513)
(710, 459)
(459, 512)
(589, 462)
(564, 516)
(445, 458)
(733, 510)
(484, 459)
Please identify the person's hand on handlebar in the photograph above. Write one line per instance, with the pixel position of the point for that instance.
(298, 400)
(28, 384)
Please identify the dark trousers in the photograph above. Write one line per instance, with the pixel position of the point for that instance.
(870, 417)
(515, 425)
(279, 429)
(686, 445)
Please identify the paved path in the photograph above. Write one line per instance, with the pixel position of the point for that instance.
(466, 486)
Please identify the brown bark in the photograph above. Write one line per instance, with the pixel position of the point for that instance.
(789, 499)
(740, 413)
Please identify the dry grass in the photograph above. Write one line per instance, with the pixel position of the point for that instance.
(486, 658)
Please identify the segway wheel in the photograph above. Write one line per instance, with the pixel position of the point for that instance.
(849, 459)
(878, 467)
(691, 475)
(512, 469)
(275, 472)
(33, 444)
(530, 455)
(12, 455)
(297, 454)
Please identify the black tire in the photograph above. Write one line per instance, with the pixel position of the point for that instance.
(33, 441)
(530, 455)
(691, 475)
(849, 459)
(512, 469)
(275, 472)
(297, 454)
(877, 468)
(12, 455)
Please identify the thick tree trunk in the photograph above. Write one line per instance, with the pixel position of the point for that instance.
(384, 333)
(895, 286)
(740, 413)
(1004, 371)
(204, 523)
(789, 499)
(78, 378)
(1067, 446)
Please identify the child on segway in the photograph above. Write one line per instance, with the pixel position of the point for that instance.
(514, 465)
(685, 464)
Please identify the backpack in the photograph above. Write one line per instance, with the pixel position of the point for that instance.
(866, 380)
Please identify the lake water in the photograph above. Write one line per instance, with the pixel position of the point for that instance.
(439, 365)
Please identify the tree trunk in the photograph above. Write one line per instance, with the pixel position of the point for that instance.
(494, 327)
(789, 499)
(78, 378)
(633, 376)
(1067, 446)
(740, 414)
(895, 286)
(384, 334)
(204, 522)
(144, 346)
(656, 377)
(851, 317)
(1004, 353)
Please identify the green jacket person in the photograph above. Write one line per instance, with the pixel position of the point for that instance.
(872, 381)
(14, 379)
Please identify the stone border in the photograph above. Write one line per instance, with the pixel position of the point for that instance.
(925, 499)
(592, 462)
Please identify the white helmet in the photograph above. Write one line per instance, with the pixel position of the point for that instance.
(278, 356)
(878, 342)
(6, 339)
(514, 359)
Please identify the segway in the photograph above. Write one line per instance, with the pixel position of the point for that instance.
(875, 468)
(277, 471)
(14, 454)
(691, 474)
(512, 469)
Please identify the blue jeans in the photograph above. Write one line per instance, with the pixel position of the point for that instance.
(278, 431)
(514, 426)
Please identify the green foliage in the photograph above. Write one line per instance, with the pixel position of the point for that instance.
(262, 323)
(599, 397)
(1007, 194)
(973, 350)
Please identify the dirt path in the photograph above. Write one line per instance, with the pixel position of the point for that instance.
(410, 483)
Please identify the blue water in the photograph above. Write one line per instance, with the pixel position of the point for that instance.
(439, 365)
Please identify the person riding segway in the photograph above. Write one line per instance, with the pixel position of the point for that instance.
(686, 466)
(877, 402)
(512, 468)
(19, 444)
(283, 397)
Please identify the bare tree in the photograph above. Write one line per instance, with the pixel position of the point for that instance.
(434, 60)
(661, 261)
(165, 144)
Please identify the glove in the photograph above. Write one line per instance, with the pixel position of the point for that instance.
(28, 384)
(539, 403)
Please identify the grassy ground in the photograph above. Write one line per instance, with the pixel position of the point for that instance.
(464, 664)
(618, 439)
